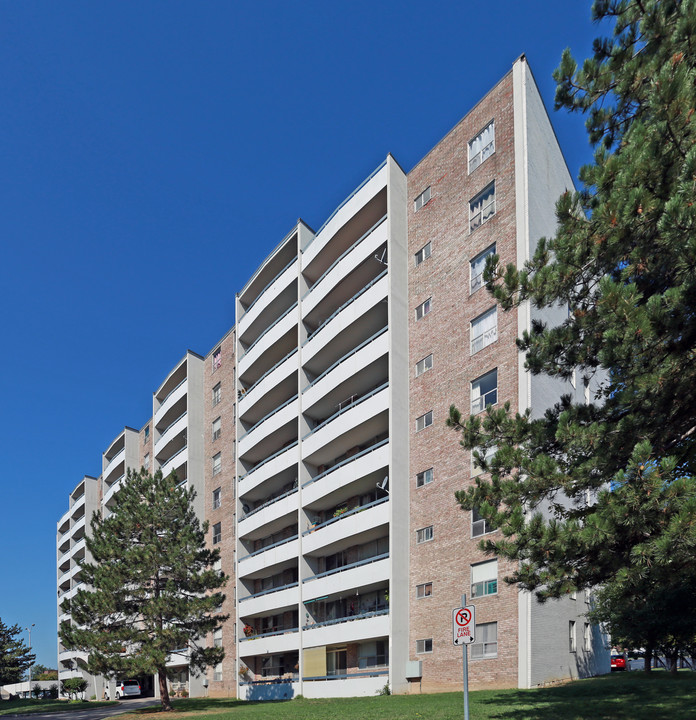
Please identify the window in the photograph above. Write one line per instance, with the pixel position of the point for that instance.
(425, 590)
(424, 478)
(482, 207)
(373, 654)
(487, 456)
(217, 463)
(486, 645)
(484, 578)
(479, 526)
(424, 534)
(424, 308)
(484, 391)
(423, 254)
(217, 533)
(146, 461)
(424, 646)
(217, 498)
(146, 433)
(422, 199)
(425, 364)
(424, 421)
(484, 330)
(482, 146)
(217, 394)
(217, 428)
(587, 638)
(476, 268)
(217, 359)
(217, 638)
(218, 673)
(572, 646)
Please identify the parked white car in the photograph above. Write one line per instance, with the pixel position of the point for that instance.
(127, 688)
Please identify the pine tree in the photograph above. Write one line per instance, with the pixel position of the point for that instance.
(15, 657)
(152, 588)
(623, 261)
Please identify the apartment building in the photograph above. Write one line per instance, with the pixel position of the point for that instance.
(315, 430)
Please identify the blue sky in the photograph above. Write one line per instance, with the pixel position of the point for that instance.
(152, 153)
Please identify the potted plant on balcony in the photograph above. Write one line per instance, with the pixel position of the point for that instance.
(249, 631)
(339, 511)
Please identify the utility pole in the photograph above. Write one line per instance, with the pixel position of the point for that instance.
(28, 629)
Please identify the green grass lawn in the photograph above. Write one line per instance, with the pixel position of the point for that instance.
(12, 707)
(626, 696)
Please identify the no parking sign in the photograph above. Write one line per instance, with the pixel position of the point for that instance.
(463, 624)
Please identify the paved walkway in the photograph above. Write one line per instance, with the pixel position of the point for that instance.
(87, 713)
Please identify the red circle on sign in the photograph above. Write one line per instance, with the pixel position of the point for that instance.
(463, 617)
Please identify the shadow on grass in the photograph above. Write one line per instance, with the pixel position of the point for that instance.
(203, 705)
(634, 696)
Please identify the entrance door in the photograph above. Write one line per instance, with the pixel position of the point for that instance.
(336, 662)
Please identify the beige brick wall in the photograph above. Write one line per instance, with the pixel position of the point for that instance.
(225, 410)
(444, 221)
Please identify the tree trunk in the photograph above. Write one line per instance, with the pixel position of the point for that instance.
(673, 662)
(164, 690)
(648, 658)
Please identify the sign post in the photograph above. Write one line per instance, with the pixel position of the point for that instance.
(463, 626)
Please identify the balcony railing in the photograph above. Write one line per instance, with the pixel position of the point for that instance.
(343, 254)
(265, 417)
(268, 329)
(353, 404)
(267, 373)
(345, 305)
(372, 673)
(164, 432)
(285, 631)
(346, 514)
(366, 561)
(269, 502)
(268, 547)
(173, 390)
(169, 459)
(268, 459)
(348, 618)
(350, 197)
(346, 356)
(370, 449)
(256, 299)
(270, 590)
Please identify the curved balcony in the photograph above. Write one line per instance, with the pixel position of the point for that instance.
(279, 552)
(268, 600)
(270, 512)
(78, 550)
(171, 432)
(78, 529)
(261, 311)
(170, 400)
(113, 489)
(267, 430)
(358, 422)
(78, 506)
(362, 361)
(347, 630)
(347, 210)
(175, 461)
(334, 329)
(271, 643)
(64, 579)
(365, 572)
(64, 523)
(367, 461)
(266, 340)
(364, 249)
(273, 465)
(340, 529)
(267, 391)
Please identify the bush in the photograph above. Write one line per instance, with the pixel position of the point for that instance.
(53, 691)
(37, 691)
(386, 690)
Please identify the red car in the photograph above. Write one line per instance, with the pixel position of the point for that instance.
(618, 661)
